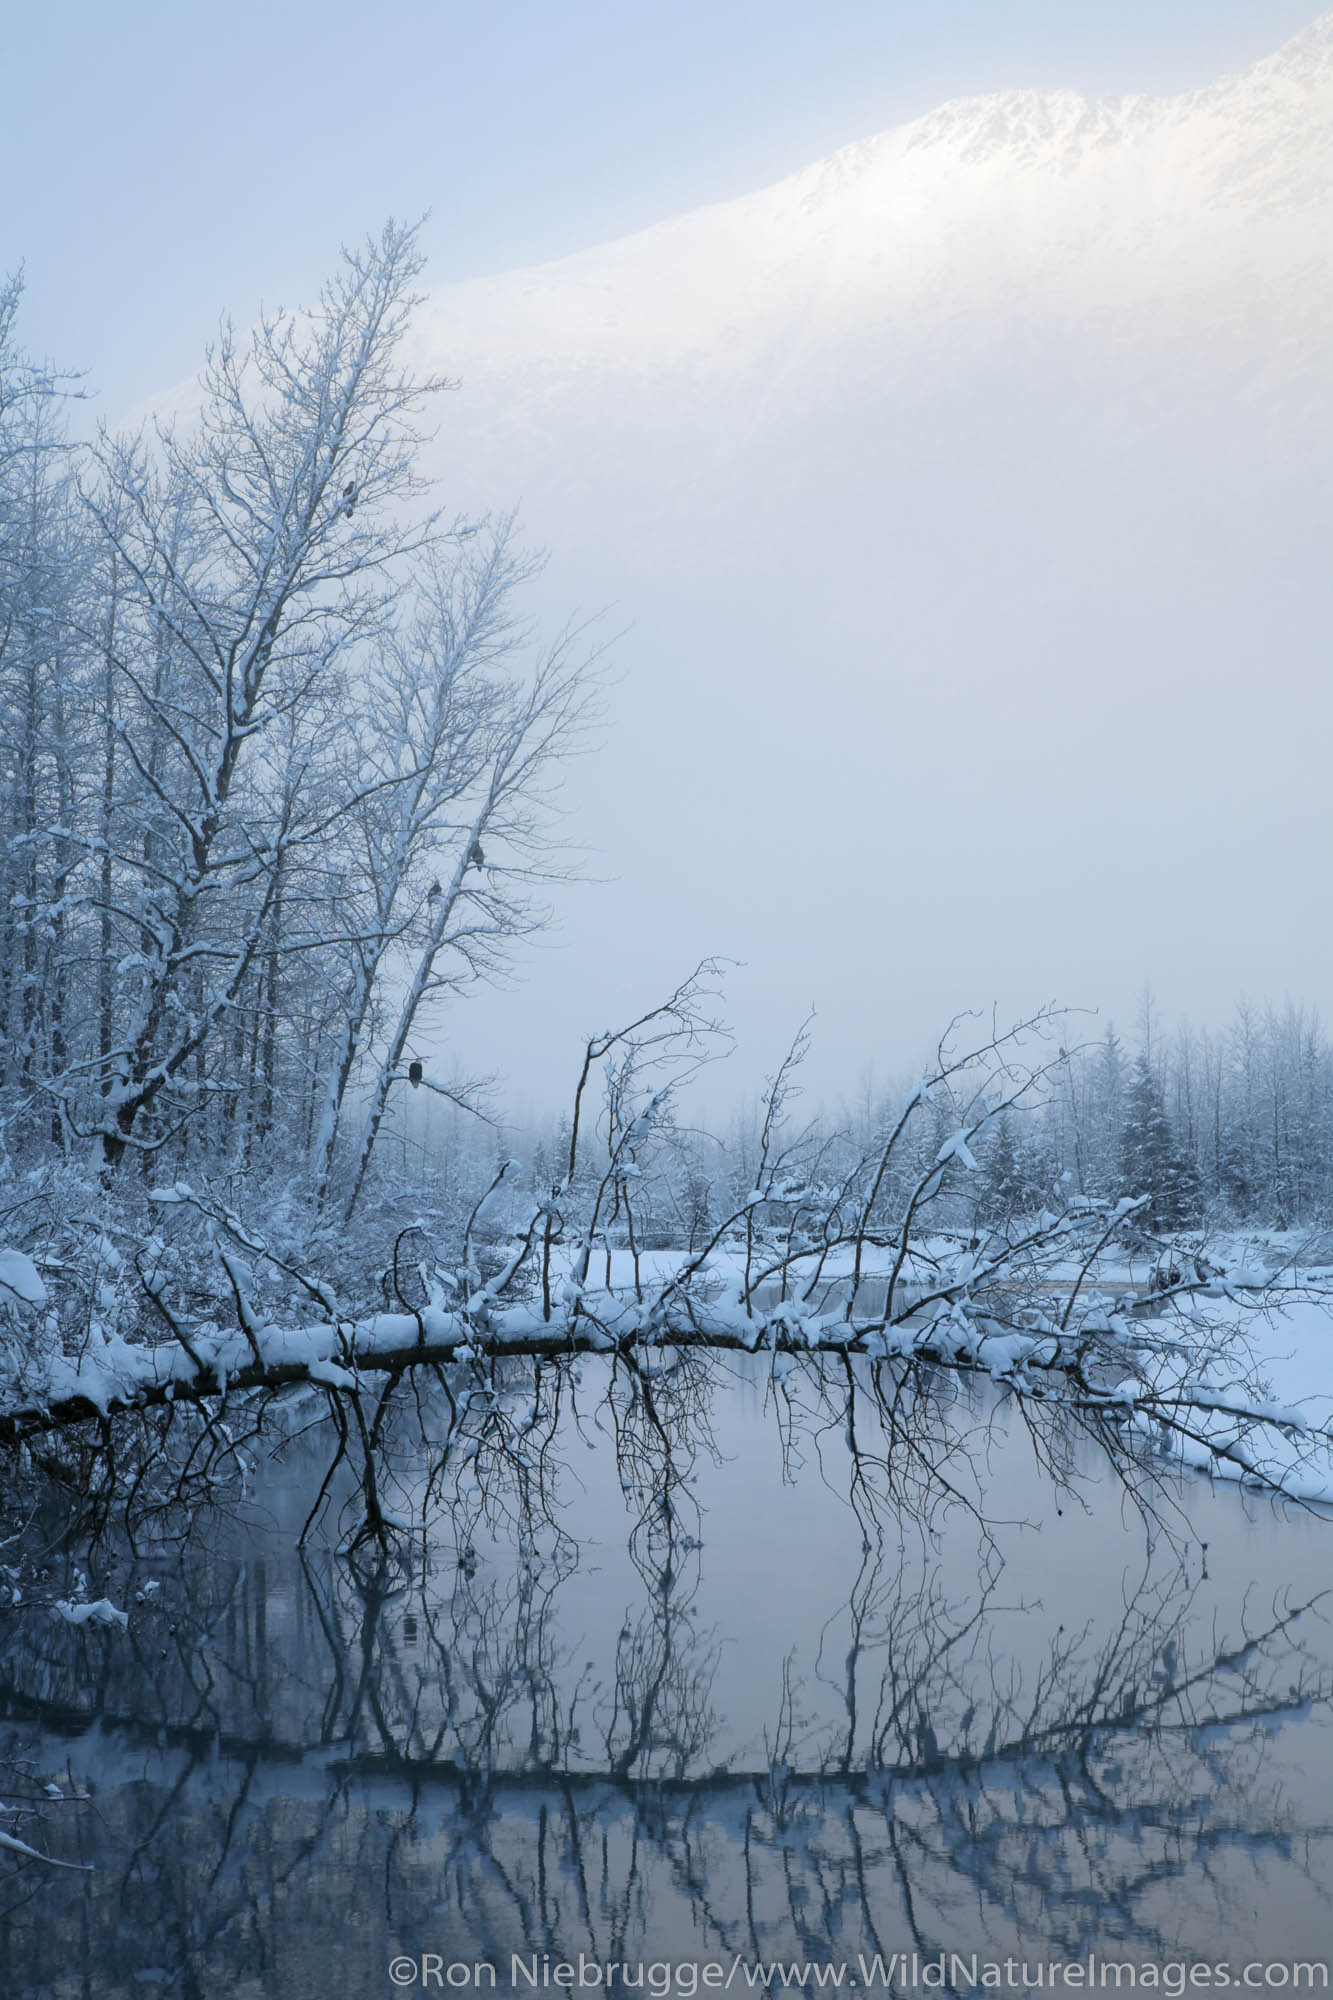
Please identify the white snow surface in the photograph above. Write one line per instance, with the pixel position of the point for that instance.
(100, 1612)
(20, 1278)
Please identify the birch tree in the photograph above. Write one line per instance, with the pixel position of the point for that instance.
(259, 551)
(450, 839)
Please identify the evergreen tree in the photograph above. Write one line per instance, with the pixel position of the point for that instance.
(1108, 1101)
(1151, 1162)
(1010, 1185)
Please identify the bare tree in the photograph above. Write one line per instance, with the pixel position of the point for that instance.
(870, 1321)
(470, 754)
(257, 553)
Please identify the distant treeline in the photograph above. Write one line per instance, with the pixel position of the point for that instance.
(1216, 1128)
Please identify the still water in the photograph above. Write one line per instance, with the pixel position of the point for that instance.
(795, 1728)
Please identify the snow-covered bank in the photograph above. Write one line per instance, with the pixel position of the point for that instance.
(1226, 1369)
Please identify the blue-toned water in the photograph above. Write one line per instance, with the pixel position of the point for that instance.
(791, 1728)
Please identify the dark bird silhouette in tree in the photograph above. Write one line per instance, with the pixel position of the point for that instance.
(414, 1074)
(349, 498)
(475, 857)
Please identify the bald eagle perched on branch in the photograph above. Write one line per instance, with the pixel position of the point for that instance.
(414, 1074)
(475, 857)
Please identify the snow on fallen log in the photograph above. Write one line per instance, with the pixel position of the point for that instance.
(1168, 1400)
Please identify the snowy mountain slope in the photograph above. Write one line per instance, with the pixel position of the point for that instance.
(960, 209)
(966, 496)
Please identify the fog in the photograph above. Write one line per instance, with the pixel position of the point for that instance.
(953, 513)
(958, 515)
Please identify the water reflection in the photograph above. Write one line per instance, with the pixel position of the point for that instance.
(298, 1762)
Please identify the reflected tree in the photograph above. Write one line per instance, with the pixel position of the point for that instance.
(431, 1737)
(876, 1313)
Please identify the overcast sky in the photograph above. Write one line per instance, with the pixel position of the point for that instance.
(161, 162)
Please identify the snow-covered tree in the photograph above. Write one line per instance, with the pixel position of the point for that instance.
(277, 753)
(1151, 1162)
